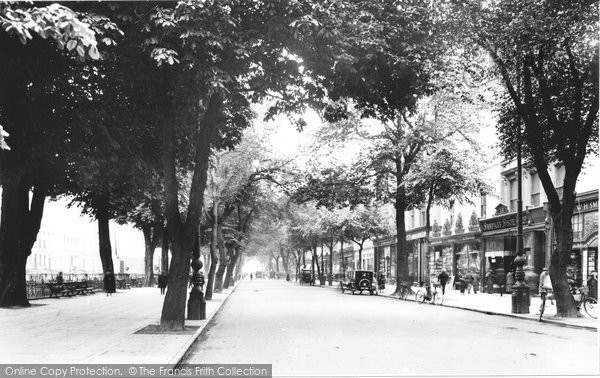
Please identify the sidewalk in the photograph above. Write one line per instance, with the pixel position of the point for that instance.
(494, 304)
(95, 329)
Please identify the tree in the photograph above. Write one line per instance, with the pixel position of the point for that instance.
(363, 224)
(209, 55)
(473, 223)
(445, 176)
(546, 56)
(39, 91)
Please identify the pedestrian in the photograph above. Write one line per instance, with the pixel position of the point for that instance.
(443, 278)
(163, 280)
(475, 276)
(468, 282)
(381, 282)
(510, 281)
(458, 280)
(110, 285)
(490, 281)
(251, 276)
(545, 281)
(592, 284)
(59, 279)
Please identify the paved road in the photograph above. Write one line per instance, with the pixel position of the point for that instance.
(306, 331)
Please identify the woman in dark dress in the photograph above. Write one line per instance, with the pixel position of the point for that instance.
(110, 285)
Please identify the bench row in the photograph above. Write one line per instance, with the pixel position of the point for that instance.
(70, 289)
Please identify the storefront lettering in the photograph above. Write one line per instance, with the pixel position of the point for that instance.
(506, 221)
(588, 205)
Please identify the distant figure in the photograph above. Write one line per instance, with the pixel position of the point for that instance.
(460, 281)
(510, 281)
(592, 284)
(59, 279)
(469, 282)
(251, 276)
(381, 282)
(475, 281)
(287, 277)
(110, 285)
(163, 280)
(490, 281)
(443, 278)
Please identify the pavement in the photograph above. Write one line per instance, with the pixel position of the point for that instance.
(96, 329)
(496, 304)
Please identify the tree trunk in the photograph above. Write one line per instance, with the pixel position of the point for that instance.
(359, 255)
(105, 249)
(214, 257)
(401, 253)
(173, 312)
(285, 259)
(563, 229)
(342, 261)
(330, 265)
(222, 260)
(315, 259)
(322, 262)
(183, 234)
(19, 226)
(151, 239)
(232, 264)
(164, 254)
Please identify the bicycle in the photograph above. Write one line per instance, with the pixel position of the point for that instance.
(433, 297)
(405, 290)
(589, 304)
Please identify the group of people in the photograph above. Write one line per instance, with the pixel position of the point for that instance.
(467, 283)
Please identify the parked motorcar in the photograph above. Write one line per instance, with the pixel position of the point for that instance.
(358, 281)
(306, 277)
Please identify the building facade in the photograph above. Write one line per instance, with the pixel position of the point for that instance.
(485, 236)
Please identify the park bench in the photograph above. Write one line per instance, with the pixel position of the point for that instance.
(83, 288)
(56, 288)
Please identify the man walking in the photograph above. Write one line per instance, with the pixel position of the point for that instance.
(443, 278)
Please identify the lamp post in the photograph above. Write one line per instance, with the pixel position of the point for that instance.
(520, 294)
(196, 304)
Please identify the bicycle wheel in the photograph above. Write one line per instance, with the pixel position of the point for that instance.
(420, 297)
(590, 305)
(438, 299)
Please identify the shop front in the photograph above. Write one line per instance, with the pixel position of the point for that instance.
(438, 258)
(584, 254)
(499, 242)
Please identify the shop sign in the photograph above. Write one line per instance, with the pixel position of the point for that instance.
(505, 221)
(414, 236)
(587, 205)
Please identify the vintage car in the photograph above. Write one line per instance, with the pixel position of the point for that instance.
(259, 275)
(306, 277)
(359, 281)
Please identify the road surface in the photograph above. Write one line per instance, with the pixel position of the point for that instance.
(312, 331)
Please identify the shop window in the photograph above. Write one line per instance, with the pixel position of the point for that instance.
(590, 224)
(423, 216)
(513, 195)
(577, 222)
